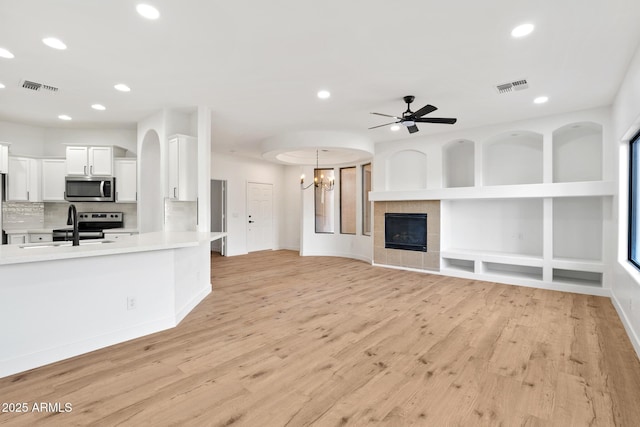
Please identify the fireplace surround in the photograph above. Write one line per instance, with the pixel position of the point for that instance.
(429, 260)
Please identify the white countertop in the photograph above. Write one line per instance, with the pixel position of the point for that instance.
(120, 230)
(36, 252)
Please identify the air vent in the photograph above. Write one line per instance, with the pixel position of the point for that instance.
(28, 84)
(512, 86)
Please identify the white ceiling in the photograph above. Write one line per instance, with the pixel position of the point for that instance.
(259, 64)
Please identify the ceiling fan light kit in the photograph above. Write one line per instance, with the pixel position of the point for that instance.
(410, 118)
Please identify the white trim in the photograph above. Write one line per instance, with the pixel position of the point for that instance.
(631, 333)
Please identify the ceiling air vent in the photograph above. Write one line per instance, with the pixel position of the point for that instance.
(28, 84)
(512, 86)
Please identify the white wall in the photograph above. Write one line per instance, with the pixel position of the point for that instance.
(25, 140)
(626, 122)
(49, 142)
(355, 246)
(238, 171)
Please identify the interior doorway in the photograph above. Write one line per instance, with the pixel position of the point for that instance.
(259, 217)
(219, 214)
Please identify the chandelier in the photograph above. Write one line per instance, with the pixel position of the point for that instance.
(321, 183)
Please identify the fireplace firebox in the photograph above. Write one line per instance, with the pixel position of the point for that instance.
(406, 231)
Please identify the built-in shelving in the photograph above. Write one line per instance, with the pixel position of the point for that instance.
(521, 207)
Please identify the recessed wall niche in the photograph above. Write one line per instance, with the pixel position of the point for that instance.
(407, 170)
(577, 228)
(458, 163)
(513, 158)
(577, 152)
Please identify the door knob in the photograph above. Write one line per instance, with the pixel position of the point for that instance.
(251, 222)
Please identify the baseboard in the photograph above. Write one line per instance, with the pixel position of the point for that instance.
(34, 360)
(631, 333)
(340, 255)
(186, 309)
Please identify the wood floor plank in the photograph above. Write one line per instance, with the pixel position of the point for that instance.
(285, 340)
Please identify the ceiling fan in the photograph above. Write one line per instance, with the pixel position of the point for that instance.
(409, 118)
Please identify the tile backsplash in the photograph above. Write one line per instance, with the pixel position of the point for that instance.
(55, 214)
(180, 216)
(30, 215)
(22, 215)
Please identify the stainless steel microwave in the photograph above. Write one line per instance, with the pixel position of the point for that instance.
(89, 189)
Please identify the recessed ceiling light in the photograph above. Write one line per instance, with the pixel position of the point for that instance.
(54, 43)
(122, 87)
(541, 100)
(4, 53)
(324, 94)
(148, 11)
(2, 86)
(395, 128)
(64, 117)
(98, 107)
(522, 30)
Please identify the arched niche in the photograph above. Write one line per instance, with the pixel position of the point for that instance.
(458, 163)
(407, 170)
(577, 152)
(513, 158)
(150, 204)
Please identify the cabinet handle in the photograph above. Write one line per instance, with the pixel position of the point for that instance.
(28, 198)
(85, 170)
(116, 196)
(174, 192)
(91, 170)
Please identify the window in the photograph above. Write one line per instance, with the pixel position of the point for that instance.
(324, 200)
(366, 203)
(348, 200)
(634, 201)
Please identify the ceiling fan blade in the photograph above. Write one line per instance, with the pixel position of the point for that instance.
(424, 110)
(436, 120)
(386, 115)
(412, 129)
(386, 124)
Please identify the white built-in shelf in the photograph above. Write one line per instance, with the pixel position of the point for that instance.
(577, 152)
(492, 256)
(574, 189)
(513, 158)
(458, 164)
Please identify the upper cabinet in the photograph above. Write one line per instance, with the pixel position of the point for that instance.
(183, 171)
(91, 161)
(53, 173)
(126, 175)
(23, 180)
(4, 158)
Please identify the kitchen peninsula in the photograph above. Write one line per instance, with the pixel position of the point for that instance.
(61, 301)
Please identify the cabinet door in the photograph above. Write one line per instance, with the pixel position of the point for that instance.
(4, 159)
(34, 183)
(173, 168)
(126, 180)
(53, 172)
(18, 180)
(101, 161)
(40, 237)
(77, 161)
(16, 239)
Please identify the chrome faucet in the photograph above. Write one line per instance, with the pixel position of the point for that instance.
(72, 218)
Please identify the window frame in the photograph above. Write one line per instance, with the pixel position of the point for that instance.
(366, 203)
(633, 232)
(316, 175)
(355, 198)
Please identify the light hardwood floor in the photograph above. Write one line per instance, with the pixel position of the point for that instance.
(285, 340)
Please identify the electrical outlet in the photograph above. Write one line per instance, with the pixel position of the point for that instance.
(131, 303)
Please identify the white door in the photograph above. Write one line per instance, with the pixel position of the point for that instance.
(259, 217)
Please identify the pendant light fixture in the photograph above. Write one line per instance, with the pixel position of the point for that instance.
(321, 183)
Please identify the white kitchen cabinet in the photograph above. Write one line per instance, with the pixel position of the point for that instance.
(183, 170)
(17, 239)
(4, 158)
(91, 161)
(53, 173)
(40, 237)
(126, 174)
(24, 175)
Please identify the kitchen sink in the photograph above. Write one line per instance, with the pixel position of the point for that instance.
(64, 244)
